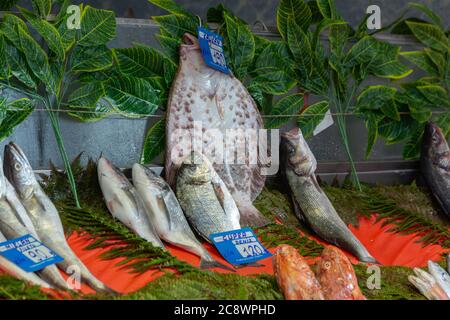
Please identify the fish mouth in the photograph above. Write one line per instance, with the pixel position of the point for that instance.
(293, 134)
(14, 157)
(190, 42)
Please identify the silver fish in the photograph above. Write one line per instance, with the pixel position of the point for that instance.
(216, 101)
(124, 202)
(30, 277)
(435, 165)
(44, 214)
(440, 275)
(427, 285)
(207, 203)
(14, 223)
(166, 215)
(311, 203)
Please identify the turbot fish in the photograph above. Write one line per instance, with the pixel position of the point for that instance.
(206, 201)
(19, 273)
(224, 112)
(427, 285)
(435, 165)
(311, 203)
(440, 275)
(166, 215)
(14, 223)
(43, 213)
(336, 275)
(124, 202)
(294, 276)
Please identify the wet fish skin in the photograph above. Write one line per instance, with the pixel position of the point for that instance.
(43, 213)
(124, 202)
(206, 202)
(435, 165)
(336, 275)
(166, 215)
(300, 165)
(294, 276)
(440, 275)
(217, 101)
(427, 285)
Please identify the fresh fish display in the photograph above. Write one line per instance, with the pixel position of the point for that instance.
(311, 203)
(427, 285)
(12, 217)
(435, 165)
(9, 267)
(216, 101)
(440, 275)
(43, 213)
(206, 201)
(124, 202)
(166, 215)
(336, 276)
(294, 276)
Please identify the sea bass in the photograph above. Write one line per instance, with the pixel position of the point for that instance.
(435, 165)
(440, 275)
(30, 277)
(427, 285)
(336, 275)
(206, 201)
(294, 276)
(225, 112)
(43, 213)
(310, 202)
(166, 215)
(124, 202)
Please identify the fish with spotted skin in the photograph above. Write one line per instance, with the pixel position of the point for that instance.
(310, 202)
(440, 275)
(206, 202)
(435, 165)
(217, 101)
(43, 214)
(166, 215)
(124, 202)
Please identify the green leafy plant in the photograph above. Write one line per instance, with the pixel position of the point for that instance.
(7, 4)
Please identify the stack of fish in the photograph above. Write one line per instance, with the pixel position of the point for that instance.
(26, 209)
(332, 277)
(434, 284)
(151, 209)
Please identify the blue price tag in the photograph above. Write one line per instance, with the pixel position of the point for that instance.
(28, 253)
(239, 246)
(211, 45)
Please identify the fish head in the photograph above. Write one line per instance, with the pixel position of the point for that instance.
(434, 142)
(191, 58)
(438, 272)
(109, 174)
(331, 258)
(196, 169)
(18, 170)
(143, 176)
(297, 154)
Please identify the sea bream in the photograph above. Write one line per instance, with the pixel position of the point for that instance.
(43, 213)
(435, 165)
(124, 202)
(206, 202)
(310, 202)
(166, 215)
(204, 97)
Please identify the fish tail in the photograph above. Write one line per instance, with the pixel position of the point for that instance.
(250, 216)
(210, 264)
(370, 259)
(253, 264)
(52, 276)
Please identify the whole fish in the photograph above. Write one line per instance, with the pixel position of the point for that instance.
(336, 276)
(204, 97)
(166, 215)
(427, 285)
(294, 276)
(310, 202)
(440, 275)
(124, 202)
(30, 277)
(43, 213)
(207, 203)
(14, 223)
(435, 165)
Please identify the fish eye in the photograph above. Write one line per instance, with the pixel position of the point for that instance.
(291, 151)
(327, 265)
(17, 166)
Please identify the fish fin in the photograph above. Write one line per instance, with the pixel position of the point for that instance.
(219, 193)
(297, 210)
(250, 216)
(370, 260)
(253, 265)
(219, 106)
(205, 264)
(165, 208)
